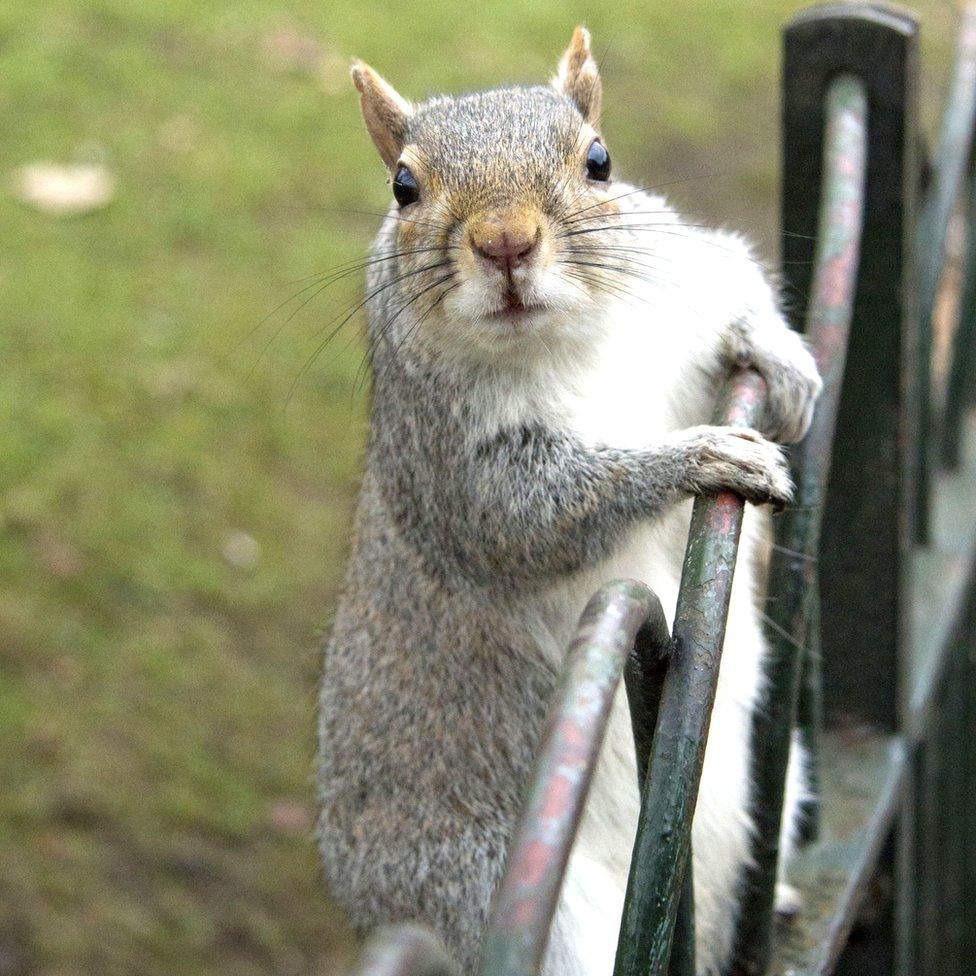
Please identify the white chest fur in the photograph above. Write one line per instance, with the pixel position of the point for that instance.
(640, 385)
(646, 382)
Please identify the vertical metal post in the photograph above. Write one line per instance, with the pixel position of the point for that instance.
(952, 852)
(949, 166)
(946, 801)
(682, 961)
(793, 563)
(864, 580)
(809, 718)
(962, 364)
(928, 933)
(661, 851)
(968, 827)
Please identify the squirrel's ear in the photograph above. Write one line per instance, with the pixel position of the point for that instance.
(385, 112)
(578, 77)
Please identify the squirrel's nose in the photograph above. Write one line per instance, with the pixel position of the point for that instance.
(505, 243)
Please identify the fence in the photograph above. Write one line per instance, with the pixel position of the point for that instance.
(872, 615)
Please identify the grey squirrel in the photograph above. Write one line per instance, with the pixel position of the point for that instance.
(546, 345)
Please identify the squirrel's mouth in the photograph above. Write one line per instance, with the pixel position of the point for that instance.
(513, 308)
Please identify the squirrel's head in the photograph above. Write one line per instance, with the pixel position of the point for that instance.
(496, 199)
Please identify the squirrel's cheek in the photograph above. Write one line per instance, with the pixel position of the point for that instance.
(411, 233)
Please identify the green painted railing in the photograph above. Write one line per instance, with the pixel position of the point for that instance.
(793, 563)
(871, 607)
(661, 859)
(526, 900)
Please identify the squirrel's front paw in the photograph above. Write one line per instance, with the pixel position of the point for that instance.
(792, 386)
(792, 380)
(738, 459)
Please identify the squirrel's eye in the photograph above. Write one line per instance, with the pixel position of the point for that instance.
(405, 187)
(598, 162)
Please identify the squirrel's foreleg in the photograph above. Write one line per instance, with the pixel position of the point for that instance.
(539, 504)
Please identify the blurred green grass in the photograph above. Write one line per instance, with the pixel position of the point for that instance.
(174, 510)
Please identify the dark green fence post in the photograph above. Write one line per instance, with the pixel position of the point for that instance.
(793, 563)
(863, 577)
(968, 654)
(864, 543)
(962, 366)
(809, 718)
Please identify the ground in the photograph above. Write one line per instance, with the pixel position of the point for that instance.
(176, 485)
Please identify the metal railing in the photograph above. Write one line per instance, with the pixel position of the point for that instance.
(871, 608)
(793, 564)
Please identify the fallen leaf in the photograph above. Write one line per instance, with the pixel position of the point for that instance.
(64, 189)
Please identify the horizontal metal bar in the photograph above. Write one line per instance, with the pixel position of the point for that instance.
(662, 847)
(404, 950)
(793, 563)
(526, 900)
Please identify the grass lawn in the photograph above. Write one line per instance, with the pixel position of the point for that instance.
(174, 508)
